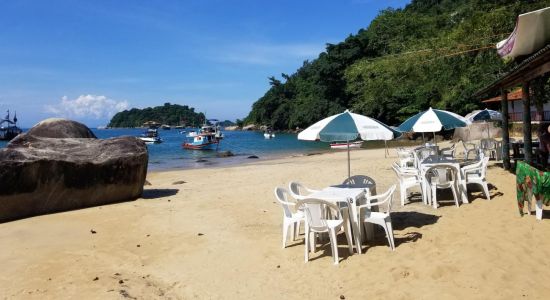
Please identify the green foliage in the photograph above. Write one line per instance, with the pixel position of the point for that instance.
(170, 114)
(434, 53)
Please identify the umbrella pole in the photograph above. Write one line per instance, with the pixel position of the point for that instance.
(435, 140)
(349, 168)
(423, 141)
(487, 125)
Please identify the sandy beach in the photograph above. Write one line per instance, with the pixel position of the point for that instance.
(216, 234)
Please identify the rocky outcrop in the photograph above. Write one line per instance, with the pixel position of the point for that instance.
(61, 128)
(232, 128)
(250, 127)
(59, 165)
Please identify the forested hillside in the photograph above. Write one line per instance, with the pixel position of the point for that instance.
(431, 53)
(170, 114)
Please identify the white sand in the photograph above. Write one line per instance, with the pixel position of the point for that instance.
(482, 250)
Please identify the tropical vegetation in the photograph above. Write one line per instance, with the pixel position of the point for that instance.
(432, 53)
(170, 114)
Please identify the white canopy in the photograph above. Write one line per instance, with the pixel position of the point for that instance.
(532, 32)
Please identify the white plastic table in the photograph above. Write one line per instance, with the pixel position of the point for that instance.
(433, 161)
(349, 195)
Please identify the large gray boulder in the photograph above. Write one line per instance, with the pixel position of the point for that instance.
(59, 165)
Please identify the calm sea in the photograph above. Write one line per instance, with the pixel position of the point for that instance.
(170, 155)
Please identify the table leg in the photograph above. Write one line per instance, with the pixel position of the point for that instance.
(355, 227)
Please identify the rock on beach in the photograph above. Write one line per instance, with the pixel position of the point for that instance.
(60, 165)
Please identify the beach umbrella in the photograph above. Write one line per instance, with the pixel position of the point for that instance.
(347, 127)
(486, 116)
(433, 120)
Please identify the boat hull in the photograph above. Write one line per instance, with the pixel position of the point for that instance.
(151, 140)
(204, 146)
(352, 145)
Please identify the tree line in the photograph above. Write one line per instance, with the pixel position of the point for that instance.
(432, 53)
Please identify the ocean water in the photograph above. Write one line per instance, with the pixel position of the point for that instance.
(170, 155)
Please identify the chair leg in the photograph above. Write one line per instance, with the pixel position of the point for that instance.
(390, 234)
(403, 194)
(486, 190)
(306, 248)
(292, 227)
(332, 235)
(285, 231)
(433, 196)
(455, 195)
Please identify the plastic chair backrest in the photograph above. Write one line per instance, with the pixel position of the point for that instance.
(296, 189)
(317, 212)
(281, 194)
(443, 173)
(360, 181)
(388, 196)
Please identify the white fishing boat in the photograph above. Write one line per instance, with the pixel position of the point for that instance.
(150, 136)
(344, 145)
(208, 137)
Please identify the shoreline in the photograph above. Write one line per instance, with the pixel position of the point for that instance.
(214, 233)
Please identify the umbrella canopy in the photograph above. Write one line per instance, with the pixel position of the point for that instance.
(433, 120)
(348, 126)
(484, 115)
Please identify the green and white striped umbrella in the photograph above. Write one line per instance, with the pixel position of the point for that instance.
(347, 127)
(433, 120)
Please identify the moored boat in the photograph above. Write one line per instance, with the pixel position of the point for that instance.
(150, 136)
(344, 145)
(208, 137)
(8, 128)
(269, 134)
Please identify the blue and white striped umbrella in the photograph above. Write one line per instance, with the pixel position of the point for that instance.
(433, 120)
(484, 115)
(347, 127)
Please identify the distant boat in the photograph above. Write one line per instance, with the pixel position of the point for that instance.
(150, 136)
(165, 127)
(8, 128)
(344, 145)
(268, 134)
(208, 137)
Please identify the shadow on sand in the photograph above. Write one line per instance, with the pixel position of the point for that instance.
(158, 193)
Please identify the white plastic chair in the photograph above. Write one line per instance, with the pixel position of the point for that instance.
(299, 191)
(291, 216)
(360, 181)
(441, 177)
(489, 146)
(382, 216)
(469, 148)
(408, 178)
(448, 152)
(406, 158)
(324, 216)
(476, 173)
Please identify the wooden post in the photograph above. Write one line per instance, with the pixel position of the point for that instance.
(505, 130)
(527, 147)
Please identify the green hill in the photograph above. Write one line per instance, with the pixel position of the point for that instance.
(170, 114)
(431, 53)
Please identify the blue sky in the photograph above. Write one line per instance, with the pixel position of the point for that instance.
(86, 60)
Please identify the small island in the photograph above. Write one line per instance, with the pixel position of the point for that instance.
(169, 114)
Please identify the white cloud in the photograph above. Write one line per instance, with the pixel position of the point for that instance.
(87, 106)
